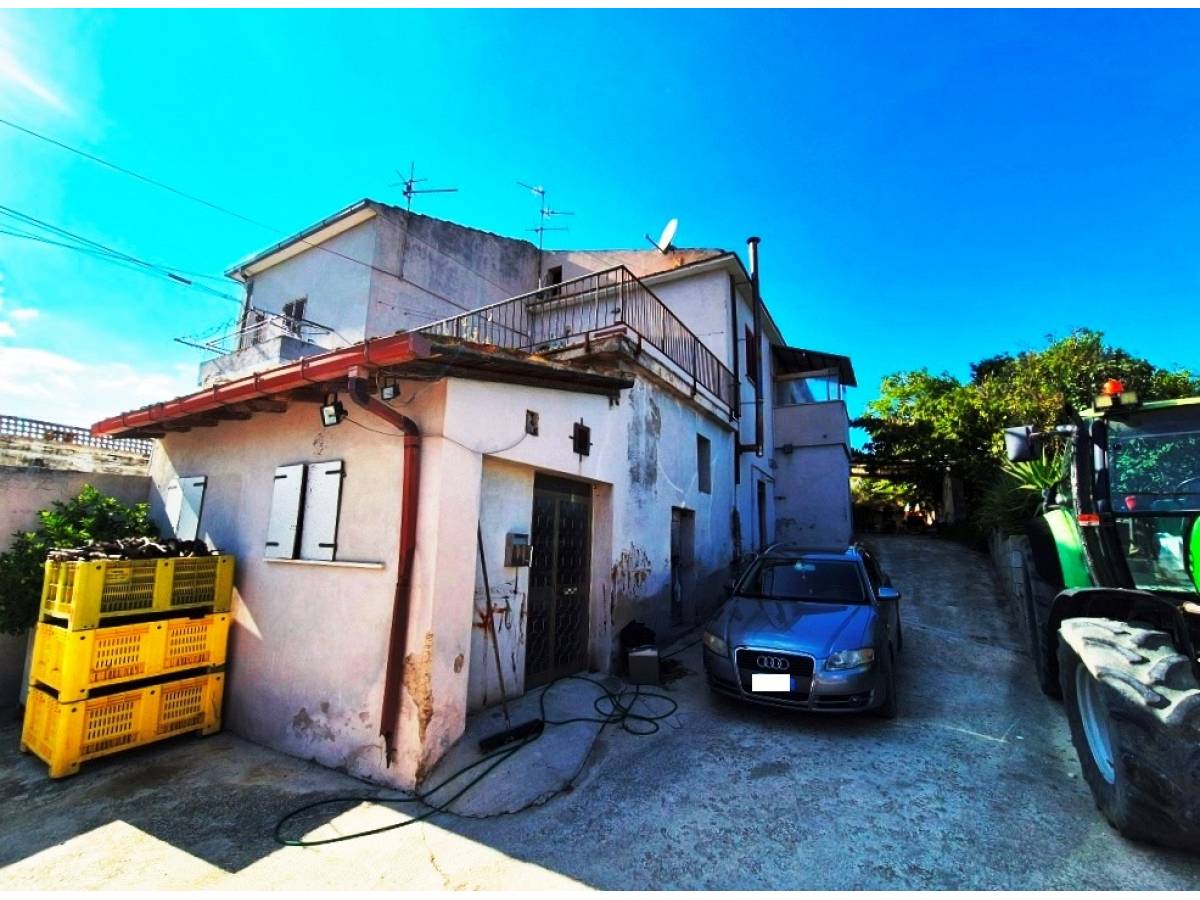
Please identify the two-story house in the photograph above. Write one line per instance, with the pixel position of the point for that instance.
(427, 438)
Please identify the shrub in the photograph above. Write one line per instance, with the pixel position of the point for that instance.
(91, 516)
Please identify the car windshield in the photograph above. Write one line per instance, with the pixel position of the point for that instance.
(819, 580)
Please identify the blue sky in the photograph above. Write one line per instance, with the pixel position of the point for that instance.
(931, 187)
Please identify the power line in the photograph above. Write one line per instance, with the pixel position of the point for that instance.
(214, 206)
(101, 251)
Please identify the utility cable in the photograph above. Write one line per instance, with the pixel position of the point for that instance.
(215, 206)
(611, 708)
(99, 250)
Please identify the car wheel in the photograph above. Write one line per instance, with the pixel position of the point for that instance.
(890, 706)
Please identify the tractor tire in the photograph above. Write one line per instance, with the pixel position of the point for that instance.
(1133, 705)
(1039, 598)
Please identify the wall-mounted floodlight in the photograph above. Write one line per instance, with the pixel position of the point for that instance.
(332, 411)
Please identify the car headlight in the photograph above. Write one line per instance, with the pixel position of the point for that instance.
(715, 644)
(850, 659)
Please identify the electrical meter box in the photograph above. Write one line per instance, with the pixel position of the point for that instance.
(517, 550)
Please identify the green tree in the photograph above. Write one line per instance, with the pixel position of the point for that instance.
(91, 516)
(923, 424)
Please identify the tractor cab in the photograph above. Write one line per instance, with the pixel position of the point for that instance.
(1133, 494)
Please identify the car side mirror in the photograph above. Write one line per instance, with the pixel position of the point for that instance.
(1018, 443)
(887, 592)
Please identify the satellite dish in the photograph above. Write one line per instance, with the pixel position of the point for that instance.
(663, 244)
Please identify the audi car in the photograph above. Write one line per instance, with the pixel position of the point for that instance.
(808, 629)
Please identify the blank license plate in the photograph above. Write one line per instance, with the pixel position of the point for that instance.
(770, 682)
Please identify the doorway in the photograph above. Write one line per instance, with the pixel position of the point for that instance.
(683, 552)
(556, 635)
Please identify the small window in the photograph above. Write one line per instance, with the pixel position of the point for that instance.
(550, 282)
(305, 507)
(293, 312)
(704, 463)
(184, 502)
(751, 356)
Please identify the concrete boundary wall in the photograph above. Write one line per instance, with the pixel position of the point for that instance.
(24, 491)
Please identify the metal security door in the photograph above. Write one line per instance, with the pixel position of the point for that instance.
(556, 636)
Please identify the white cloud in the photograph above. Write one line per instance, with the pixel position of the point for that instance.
(6, 331)
(24, 314)
(43, 385)
(12, 73)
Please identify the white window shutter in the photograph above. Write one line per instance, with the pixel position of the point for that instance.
(187, 525)
(284, 524)
(173, 504)
(322, 496)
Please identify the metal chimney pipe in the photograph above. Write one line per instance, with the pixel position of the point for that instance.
(759, 436)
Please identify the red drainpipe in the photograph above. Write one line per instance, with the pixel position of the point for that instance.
(398, 635)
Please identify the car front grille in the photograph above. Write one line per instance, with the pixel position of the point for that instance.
(773, 661)
(800, 668)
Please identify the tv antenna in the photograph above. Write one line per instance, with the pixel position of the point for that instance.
(663, 244)
(545, 213)
(410, 189)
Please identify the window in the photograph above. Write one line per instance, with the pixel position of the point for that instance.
(704, 463)
(751, 356)
(293, 312)
(184, 501)
(550, 283)
(305, 504)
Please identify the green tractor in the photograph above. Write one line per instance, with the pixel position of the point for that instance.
(1113, 605)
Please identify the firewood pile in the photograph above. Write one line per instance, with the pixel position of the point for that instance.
(131, 548)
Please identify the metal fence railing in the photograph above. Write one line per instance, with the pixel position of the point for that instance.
(33, 429)
(551, 317)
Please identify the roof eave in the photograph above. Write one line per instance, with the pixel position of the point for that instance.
(315, 235)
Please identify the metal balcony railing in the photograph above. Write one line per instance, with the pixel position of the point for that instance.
(562, 315)
(259, 326)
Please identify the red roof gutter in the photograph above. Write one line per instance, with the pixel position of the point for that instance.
(325, 367)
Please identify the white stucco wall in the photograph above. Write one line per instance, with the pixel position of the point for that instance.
(643, 462)
(447, 269)
(308, 647)
(336, 286)
(813, 479)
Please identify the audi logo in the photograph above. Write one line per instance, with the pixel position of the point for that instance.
(772, 662)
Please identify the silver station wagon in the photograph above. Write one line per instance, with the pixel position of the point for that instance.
(808, 629)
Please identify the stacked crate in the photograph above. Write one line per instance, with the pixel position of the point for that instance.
(126, 652)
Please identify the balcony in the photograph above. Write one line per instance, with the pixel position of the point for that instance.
(584, 310)
(264, 341)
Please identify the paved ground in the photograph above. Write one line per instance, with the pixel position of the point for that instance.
(974, 786)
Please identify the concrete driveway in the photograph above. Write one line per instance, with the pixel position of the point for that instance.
(976, 785)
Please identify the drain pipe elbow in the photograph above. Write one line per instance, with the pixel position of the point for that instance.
(393, 686)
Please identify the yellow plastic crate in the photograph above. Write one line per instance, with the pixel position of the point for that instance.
(75, 662)
(84, 593)
(65, 735)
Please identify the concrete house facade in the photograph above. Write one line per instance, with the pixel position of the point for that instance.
(432, 448)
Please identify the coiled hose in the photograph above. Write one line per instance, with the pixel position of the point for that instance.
(612, 708)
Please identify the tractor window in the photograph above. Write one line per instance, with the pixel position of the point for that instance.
(1154, 461)
(1154, 471)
